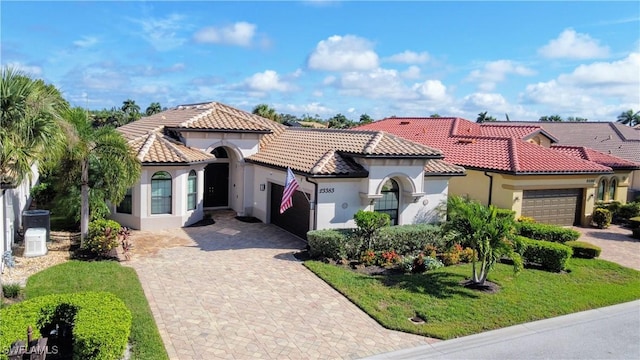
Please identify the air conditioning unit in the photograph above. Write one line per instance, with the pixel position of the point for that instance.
(35, 242)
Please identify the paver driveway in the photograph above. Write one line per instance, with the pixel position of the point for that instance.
(233, 290)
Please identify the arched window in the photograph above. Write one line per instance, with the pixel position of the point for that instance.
(220, 153)
(161, 193)
(192, 190)
(613, 185)
(601, 190)
(389, 202)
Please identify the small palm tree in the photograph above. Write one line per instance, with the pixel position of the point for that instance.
(629, 118)
(131, 111)
(486, 232)
(266, 111)
(101, 150)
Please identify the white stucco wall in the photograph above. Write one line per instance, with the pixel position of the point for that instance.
(245, 143)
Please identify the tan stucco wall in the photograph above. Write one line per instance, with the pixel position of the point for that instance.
(475, 185)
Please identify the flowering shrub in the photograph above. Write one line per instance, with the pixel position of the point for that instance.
(467, 255)
(452, 257)
(431, 250)
(103, 237)
(389, 258)
(368, 257)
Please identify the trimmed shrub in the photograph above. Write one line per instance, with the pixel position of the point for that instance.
(101, 322)
(369, 222)
(102, 237)
(634, 222)
(547, 232)
(583, 249)
(326, 244)
(549, 255)
(628, 211)
(505, 213)
(526, 219)
(601, 218)
(408, 239)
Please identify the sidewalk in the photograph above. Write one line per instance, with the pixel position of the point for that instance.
(607, 333)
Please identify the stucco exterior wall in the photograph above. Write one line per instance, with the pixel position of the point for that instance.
(245, 143)
(475, 185)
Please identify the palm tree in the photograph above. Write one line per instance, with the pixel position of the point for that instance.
(131, 111)
(266, 111)
(551, 118)
(483, 117)
(629, 118)
(153, 108)
(103, 153)
(30, 124)
(485, 231)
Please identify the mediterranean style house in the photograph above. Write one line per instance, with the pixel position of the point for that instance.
(212, 156)
(520, 167)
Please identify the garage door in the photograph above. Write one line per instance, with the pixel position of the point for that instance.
(296, 219)
(558, 207)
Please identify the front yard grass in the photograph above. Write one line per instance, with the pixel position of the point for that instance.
(76, 276)
(452, 310)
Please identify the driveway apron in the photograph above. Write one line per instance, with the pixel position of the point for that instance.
(233, 290)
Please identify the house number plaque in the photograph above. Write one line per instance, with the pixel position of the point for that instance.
(326, 190)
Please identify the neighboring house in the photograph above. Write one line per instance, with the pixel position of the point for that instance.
(14, 199)
(606, 137)
(212, 156)
(515, 167)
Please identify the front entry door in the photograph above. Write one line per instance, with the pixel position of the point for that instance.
(216, 185)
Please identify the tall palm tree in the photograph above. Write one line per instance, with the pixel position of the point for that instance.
(629, 117)
(30, 124)
(153, 108)
(105, 153)
(131, 111)
(266, 111)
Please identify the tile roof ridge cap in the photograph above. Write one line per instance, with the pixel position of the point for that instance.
(617, 131)
(514, 155)
(206, 104)
(371, 145)
(198, 117)
(322, 162)
(151, 137)
(171, 144)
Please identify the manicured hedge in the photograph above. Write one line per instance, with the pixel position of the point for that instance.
(101, 322)
(634, 222)
(326, 244)
(550, 255)
(408, 239)
(583, 249)
(547, 232)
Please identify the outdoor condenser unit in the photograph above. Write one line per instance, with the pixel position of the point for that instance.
(35, 242)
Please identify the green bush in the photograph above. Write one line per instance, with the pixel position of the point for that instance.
(550, 255)
(547, 232)
(505, 213)
(408, 239)
(368, 223)
(101, 322)
(634, 222)
(102, 237)
(635, 233)
(327, 244)
(11, 290)
(628, 211)
(601, 218)
(583, 249)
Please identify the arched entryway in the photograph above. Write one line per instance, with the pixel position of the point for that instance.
(216, 180)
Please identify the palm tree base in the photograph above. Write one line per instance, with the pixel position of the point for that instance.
(486, 287)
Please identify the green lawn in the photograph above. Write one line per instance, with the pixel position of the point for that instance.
(74, 276)
(452, 310)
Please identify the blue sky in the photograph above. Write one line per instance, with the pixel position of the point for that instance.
(526, 59)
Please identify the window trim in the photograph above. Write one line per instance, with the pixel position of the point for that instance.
(170, 196)
(192, 176)
(395, 220)
(612, 185)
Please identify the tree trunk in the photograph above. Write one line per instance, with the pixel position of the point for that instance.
(84, 206)
(473, 261)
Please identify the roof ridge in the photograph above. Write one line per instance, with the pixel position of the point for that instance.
(322, 162)
(173, 146)
(514, 154)
(373, 143)
(197, 117)
(151, 137)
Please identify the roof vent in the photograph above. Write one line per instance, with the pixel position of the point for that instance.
(404, 123)
(466, 141)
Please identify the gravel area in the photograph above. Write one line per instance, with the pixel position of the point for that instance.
(27, 266)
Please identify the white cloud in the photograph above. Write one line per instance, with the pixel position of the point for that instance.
(86, 41)
(240, 34)
(409, 57)
(268, 80)
(343, 53)
(572, 45)
(163, 34)
(432, 90)
(496, 71)
(376, 84)
(590, 85)
(487, 101)
(412, 72)
(28, 69)
(311, 108)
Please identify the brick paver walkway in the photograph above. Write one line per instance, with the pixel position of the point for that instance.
(616, 243)
(233, 290)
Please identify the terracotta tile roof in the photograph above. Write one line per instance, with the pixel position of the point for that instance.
(586, 153)
(464, 143)
(331, 152)
(606, 137)
(156, 148)
(441, 167)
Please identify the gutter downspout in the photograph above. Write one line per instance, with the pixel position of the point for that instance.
(490, 186)
(314, 204)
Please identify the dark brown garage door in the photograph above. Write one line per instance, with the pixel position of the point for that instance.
(558, 207)
(296, 219)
